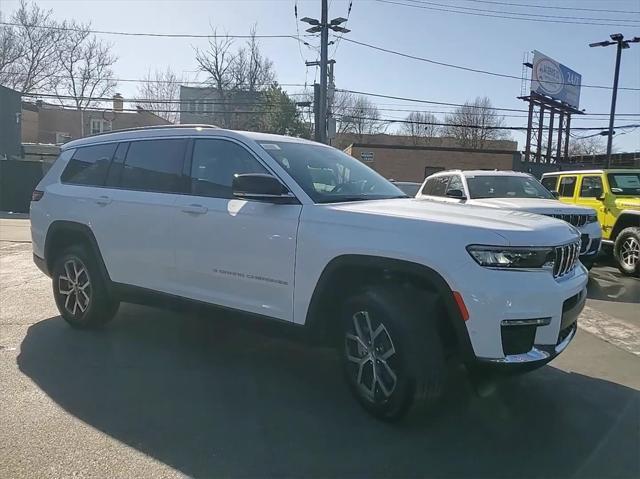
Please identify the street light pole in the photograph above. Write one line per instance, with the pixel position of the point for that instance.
(324, 47)
(621, 44)
(323, 26)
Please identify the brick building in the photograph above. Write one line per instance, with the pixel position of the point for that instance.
(406, 162)
(232, 109)
(48, 123)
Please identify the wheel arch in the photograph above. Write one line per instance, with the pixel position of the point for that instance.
(340, 274)
(62, 234)
(625, 219)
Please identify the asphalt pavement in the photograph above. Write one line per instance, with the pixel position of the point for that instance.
(160, 393)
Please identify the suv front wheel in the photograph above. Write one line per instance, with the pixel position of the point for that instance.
(627, 251)
(79, 289)
(391, 350)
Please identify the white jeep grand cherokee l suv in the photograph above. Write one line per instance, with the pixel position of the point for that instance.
(514, 190)
(302, 233)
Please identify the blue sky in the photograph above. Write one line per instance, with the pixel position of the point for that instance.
(494, 44)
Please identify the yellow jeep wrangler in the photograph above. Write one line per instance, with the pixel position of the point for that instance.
(615, 195)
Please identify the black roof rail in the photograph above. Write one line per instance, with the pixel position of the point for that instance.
(153, 127)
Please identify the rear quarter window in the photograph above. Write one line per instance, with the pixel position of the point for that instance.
(550, 182)
(89, 165)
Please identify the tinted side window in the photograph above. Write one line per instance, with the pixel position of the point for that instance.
(428, 186)
(549, 182)
(567, 186)
(591, 187)
(115, 170)
(214, 164)
(154, 165)
(89, 165)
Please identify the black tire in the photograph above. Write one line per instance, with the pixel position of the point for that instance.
(406, 317)
(88, 304)
(626, 251)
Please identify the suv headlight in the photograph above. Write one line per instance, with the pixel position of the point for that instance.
(512, 257)
(592, 218)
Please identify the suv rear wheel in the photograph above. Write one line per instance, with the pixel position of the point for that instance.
(627, 251)
(79, 289)
(391, 351)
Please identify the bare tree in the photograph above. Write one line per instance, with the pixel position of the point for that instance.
(475, 124)
(217, 62)
(420, 125)
(37, 36)
(163, 86)
(360, 116)
(85, 68)
(592, 145)
(10, 52)
(231, 71)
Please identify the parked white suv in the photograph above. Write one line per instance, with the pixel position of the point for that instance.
(302, 233)
(518, 191)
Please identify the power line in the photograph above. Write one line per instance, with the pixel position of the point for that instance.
(495, 15)
(147, 34)
(469, 69)
(483, 127)
(528, 14)
(553, 7)
(145, 80)
(431, 102)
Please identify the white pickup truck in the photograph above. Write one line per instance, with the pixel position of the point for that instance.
(513, 190)
(301, 233)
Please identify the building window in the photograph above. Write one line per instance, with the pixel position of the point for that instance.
(99, 126)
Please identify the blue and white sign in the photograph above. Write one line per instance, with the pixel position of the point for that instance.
(555, 80)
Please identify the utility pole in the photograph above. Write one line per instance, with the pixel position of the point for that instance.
(621, 43)
(323, 26)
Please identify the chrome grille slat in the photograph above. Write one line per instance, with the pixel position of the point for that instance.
(566, 258)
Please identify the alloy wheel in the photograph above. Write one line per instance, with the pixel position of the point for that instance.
(75, 286)
(630, 252)
(371, 352)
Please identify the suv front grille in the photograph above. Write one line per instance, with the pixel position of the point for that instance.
(566, 258)
(575, 220)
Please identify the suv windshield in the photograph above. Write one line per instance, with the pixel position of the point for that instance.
(624, 183)
(328, 175)
(500, 186)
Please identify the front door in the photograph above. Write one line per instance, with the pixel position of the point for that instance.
(230, 252)
(591, 193)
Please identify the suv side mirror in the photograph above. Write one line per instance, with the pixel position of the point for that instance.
(456, 194)
(555, 194)
(261, 187)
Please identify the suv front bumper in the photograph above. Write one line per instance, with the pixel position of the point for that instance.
(540, 354)
(520, 317)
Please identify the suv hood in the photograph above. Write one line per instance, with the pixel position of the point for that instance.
(516, 227)
(532, 205)
(628, 202)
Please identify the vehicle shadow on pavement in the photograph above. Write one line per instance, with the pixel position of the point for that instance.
(212, 399)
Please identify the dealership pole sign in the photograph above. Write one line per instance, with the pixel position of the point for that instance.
(555, 80)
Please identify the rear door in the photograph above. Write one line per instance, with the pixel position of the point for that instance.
(135, 211)
(567, 188)
(231, 252)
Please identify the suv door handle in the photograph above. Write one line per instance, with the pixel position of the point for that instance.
(195, 209)
(103, 200)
